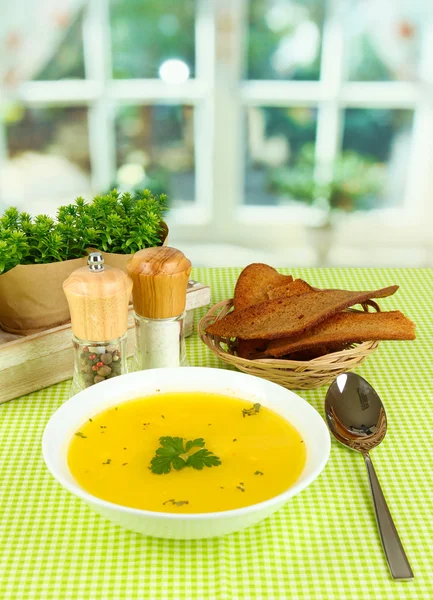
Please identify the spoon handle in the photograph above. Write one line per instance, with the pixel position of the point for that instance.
(394, 552)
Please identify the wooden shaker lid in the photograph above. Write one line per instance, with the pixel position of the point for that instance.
(160, 277)
(98, 298)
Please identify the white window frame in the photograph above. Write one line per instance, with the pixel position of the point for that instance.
(413, 221)
(102, 94)
(219, 96)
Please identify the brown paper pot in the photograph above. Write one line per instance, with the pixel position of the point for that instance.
(119, 260)
(32, 298)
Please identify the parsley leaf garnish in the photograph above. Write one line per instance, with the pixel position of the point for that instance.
(80, 434)
(202, 458)
(168, 455)
(173, 453)
(198, 443)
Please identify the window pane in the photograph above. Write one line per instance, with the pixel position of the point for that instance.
(280, 155)
(67, 61)
(155, 149)
(384, 40)
(146, 33)
(374, 170)
(48, 157)
(284, 39)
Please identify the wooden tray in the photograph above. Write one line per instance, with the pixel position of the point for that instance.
(36, 361)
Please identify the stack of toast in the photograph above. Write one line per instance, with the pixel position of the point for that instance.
(276, 316)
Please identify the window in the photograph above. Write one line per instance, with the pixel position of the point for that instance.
(285, 39)
(44, 141)
(240, 110)
(360, 132)
(113, 105)
(384, 138)
(155, 147)
(145, 34)
(277, 140)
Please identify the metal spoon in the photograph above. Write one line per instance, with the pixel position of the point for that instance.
(356, 417)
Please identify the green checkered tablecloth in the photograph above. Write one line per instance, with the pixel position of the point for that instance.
(323, 544)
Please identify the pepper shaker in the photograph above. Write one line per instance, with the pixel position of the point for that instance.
(160, 278)
(98, 298)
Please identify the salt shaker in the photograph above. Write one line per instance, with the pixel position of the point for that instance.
(98, 298)
(160, 278)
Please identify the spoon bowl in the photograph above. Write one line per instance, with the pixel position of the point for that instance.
(357, 419)
(355, 413)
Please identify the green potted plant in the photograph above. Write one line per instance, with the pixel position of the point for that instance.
(355, 181)
(354, 184)
(119, 224)
(38, 254)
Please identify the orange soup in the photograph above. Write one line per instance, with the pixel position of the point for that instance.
(186, 453)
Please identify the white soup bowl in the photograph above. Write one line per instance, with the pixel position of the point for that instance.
(78, 409)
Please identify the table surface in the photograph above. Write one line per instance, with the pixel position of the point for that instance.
(323, 544)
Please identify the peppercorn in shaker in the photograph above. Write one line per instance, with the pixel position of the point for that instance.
(98, 298)
(160, 277)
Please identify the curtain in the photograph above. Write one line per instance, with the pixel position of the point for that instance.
(394, 29)
(30, 33)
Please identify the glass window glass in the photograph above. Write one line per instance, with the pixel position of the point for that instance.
(67, 61)
(146, 34)
(155, 149)
(280, 155)
(48, 157)
(383, 40)
(372, 169)
(284, 39)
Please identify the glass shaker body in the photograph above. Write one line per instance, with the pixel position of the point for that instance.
(97, 361)
(159, 342)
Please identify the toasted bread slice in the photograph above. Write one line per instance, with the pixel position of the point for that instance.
(347, 328)
(309, 354)
(251, 349)
(295, 288)
(254, 282)
(284, 317)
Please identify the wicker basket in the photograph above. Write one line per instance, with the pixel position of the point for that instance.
(291, 374)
